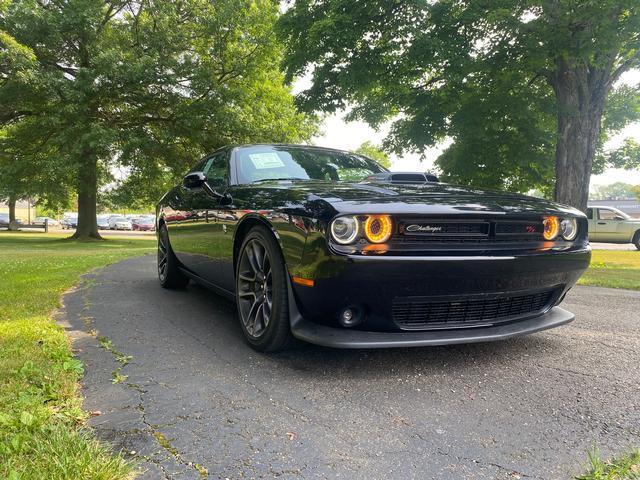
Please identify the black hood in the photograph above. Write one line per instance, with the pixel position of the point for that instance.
(438, 198)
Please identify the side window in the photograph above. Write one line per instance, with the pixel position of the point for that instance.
(605, 214)
(590, 213)
(199, 167)
(217, 170)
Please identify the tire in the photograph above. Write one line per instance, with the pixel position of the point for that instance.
(169, 274)
(261, 292)
(636, 240)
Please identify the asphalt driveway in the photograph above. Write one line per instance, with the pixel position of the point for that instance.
(176, 387)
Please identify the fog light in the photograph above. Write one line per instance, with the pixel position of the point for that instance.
(350, 317)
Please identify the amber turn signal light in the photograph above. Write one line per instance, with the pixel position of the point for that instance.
(307, 282)
(378, 228)
(551, 227)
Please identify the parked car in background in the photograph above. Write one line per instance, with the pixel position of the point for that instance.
(119, 223)
(309, 249)
(51, 221)
(143, 223)
(103, 221)
(4, 221)
(610, 225)
(69, 222)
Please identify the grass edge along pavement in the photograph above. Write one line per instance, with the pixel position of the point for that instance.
(613, 269)
(42, 433)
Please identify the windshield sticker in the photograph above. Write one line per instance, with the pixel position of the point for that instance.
(263, 161)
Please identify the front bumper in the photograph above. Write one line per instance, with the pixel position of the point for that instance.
(375, 284)
(342, 338)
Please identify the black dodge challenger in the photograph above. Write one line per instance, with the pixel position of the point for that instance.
(314, 243)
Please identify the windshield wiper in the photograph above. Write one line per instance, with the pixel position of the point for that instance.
(277, 179)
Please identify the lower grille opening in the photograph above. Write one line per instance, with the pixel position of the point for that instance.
(424, 313)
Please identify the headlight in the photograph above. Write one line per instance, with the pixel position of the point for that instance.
(569, 228)
(378, 228)
(551, 227)
(344, 230)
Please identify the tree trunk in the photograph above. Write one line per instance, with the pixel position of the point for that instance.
(12, 213)
(87, 195)
(580, 103)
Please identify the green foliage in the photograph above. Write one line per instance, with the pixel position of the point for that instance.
(614, 191)
(151, 86)
(493, 77)
(626, 467)
(368, 149)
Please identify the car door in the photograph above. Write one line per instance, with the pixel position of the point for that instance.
(593, 224)
(195, 238)
(608, 228)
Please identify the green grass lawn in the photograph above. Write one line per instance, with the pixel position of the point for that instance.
(614, 268)
(41, 421)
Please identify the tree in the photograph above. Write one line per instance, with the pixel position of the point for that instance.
(613, 191)
(144, 85)
(636, 191)
(368, 149)
(24, 175)
(520, 86)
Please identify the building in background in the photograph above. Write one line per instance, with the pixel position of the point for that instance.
(630, 207)
(23, 211)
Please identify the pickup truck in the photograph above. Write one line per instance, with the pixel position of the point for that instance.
(610, 225)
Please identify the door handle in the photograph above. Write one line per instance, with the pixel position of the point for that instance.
(602, 223)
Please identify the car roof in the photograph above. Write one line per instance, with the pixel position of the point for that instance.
(290, 145)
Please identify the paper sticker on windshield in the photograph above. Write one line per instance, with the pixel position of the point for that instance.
(263, 161)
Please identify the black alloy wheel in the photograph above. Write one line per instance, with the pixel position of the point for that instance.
(169, 274)
(261, 292)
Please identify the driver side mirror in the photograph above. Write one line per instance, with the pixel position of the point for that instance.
(194, 180)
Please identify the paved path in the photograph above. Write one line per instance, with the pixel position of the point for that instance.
(613, 246)
(192, 397)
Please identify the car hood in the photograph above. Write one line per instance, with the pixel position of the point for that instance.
(432, 198)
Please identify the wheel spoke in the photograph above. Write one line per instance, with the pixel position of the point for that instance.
(258, 255)
(251, 317)
(251, 260)
(247, 294)
(247, 278)
(258, 322)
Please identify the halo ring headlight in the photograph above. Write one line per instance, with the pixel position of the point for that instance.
(568, 228)
(551, 227)
(378, 228)
(344, 230)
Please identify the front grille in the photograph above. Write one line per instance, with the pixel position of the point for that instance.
(423, 313)
(465, 232)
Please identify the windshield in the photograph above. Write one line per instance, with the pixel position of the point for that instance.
(302, 163)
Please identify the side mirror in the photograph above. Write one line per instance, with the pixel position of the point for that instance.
(618, 217)
(194, 180)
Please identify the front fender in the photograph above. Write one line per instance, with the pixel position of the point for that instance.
(289, 230)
